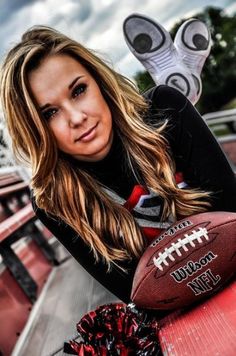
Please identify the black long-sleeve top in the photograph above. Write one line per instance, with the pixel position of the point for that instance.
(196, 154)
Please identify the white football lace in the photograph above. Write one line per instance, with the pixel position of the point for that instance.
(192, 239)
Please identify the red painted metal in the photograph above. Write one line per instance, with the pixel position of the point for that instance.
(10, 175)
(15, 307)
(12, 189)
(3, 214)
(208, 329)
(15, 221)
(9, 179)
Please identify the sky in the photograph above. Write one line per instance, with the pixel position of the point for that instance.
(97, 24)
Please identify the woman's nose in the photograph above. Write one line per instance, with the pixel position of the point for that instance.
(76, 117)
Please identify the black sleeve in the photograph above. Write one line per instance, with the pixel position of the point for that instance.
(116, 281)
(195, 149)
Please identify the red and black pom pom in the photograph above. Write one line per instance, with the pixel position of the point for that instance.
(117, 330)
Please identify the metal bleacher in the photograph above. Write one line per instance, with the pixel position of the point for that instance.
(226, 121)
(45, 292)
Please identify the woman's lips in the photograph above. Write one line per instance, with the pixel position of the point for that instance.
(88, 135)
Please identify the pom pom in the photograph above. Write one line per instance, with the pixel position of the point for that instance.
(117, 329)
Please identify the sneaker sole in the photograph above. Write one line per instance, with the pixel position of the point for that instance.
(152, 45)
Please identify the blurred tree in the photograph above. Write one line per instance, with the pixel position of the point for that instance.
(219, 72)
(144, 81)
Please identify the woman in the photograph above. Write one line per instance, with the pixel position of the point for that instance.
(110, 168)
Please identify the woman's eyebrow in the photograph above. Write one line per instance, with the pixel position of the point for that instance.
(44, 106)
(74, 81)
(69, 87)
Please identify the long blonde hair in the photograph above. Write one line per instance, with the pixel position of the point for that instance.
(67, 192)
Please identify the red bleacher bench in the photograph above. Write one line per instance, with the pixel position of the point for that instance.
(10, 178)
(12, 189)
(26, 258)
(14, 222)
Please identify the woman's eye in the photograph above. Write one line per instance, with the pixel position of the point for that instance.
(78, 90)
(49, 113)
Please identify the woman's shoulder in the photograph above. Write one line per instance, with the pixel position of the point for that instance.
(164, 97)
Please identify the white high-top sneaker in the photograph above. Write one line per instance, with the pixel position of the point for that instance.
(152, 45)
(193, 43)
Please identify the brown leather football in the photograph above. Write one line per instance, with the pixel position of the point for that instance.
(191, 260)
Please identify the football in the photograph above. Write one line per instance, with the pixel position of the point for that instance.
(189, 261)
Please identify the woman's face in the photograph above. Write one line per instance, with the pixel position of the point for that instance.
(72, 103)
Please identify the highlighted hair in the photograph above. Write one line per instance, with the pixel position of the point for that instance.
(69, 193)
